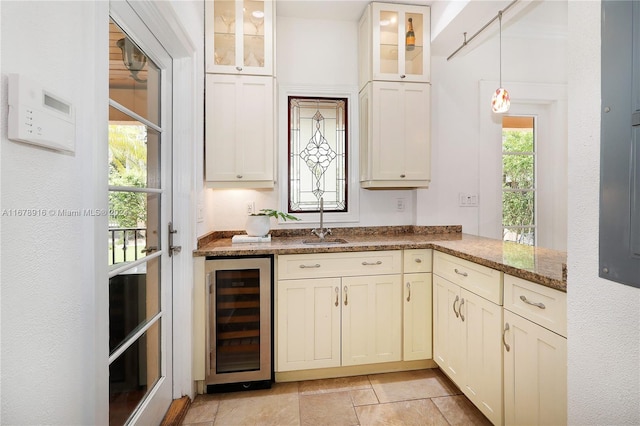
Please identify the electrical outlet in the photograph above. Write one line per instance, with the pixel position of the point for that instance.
(251, 207)
(400, 204)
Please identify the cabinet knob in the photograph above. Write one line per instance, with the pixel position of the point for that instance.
(403, 176)
(239, 68)
(403, 76)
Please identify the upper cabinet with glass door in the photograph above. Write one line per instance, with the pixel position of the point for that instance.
(395, 43)
(239, 36)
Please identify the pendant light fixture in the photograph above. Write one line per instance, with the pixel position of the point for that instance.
(500, 102)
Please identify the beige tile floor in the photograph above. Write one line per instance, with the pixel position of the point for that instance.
(424, 397)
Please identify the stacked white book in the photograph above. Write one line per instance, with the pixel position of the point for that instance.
(248, 239)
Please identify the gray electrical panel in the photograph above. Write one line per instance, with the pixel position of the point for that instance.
(620, 143)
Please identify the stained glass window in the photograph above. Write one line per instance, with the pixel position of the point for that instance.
(317, 154)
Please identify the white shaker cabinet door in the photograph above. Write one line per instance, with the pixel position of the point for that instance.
(535, 374)
(308, 324)
(417, 300)
(371, 319)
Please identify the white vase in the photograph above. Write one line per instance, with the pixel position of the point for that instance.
(257, 226)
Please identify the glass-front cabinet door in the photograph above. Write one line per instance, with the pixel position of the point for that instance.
(239, 36)
(401, 42)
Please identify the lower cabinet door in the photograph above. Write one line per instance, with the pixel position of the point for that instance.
(535, 374)
(371, 319)
(447, 329)
(308, 316)
(417, 300)
(483, 352)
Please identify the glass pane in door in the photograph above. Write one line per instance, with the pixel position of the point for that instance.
(133, 78)
(132, 374)
(224, 39)
(389, 42)
(237, 319)
(413, 57)
(253, 33)
(134, 299)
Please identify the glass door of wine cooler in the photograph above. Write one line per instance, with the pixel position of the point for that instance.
(239, 337)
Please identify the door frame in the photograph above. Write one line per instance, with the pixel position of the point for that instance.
(537, 96)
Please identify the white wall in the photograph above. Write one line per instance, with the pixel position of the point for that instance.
(603, 316)
(54, 350)
(311, 54)
(458, 149)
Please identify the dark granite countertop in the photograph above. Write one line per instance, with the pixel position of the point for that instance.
(536, 264)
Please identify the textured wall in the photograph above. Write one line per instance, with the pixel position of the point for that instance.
(53, 349)
(603, 316)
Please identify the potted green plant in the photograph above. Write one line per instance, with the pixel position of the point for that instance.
(258, 224)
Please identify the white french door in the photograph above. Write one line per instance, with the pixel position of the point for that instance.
(140, 203)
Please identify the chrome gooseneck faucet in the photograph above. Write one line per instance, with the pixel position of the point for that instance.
(322, 231)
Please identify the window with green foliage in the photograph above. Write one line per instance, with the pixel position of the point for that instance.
(519, 180)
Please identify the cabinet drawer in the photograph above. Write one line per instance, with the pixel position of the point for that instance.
(478, 279)
(418, 260)
(294, 266)
(542, 305)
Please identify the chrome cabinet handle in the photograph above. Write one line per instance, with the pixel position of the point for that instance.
(317, 265)
(529, 302)
(460, 310)
(337, 292)
(454, 307)
(418, 260)
(409, 288)
(379, 262)
(504, 342)
(346, 296)
(464, 274)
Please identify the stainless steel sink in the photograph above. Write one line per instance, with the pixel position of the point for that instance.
(318, 241)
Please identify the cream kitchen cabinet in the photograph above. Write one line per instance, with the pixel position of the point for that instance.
(308, 318)
(535, 354)
(417, 300)
(395, 142)
(360, 290)
(239, 133)
(386, 51)
(467, 315)
(239, 37)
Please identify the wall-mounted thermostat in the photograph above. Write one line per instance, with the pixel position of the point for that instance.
(39, 117)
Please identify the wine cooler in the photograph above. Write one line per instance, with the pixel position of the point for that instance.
(239, 331)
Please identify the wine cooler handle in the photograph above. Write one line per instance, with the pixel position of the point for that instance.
(506, 345)
(337, 293)
(409, 288)
(460, 309)
(346, 296)
(454, 307)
